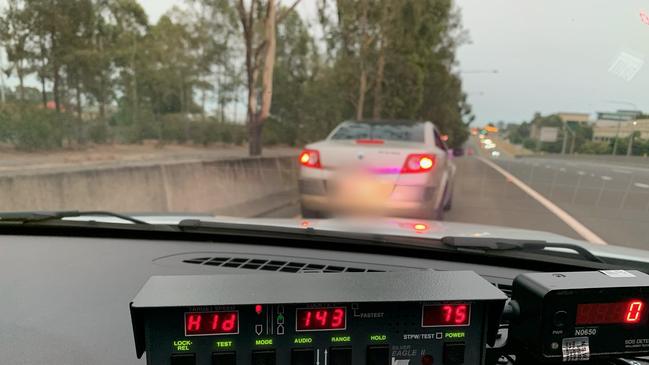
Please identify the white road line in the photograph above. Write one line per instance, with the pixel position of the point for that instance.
(563, 169)
(582, 230)
(548, 167)
(622, 171)
(641, 185)
(607, 178)
(581, 173)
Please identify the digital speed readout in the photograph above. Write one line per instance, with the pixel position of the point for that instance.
(446, 315)
(626, 312)
(211, 323)
(320, 319)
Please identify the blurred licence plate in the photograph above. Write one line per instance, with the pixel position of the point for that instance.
(360, 189)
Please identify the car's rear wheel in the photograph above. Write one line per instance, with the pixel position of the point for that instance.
(449, 198)
(438, 214)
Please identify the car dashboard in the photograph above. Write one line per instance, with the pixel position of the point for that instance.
(85, 300)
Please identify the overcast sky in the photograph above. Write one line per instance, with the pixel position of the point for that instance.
(551, 55)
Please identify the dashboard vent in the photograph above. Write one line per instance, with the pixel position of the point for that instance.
(505, 288)
(273, 265)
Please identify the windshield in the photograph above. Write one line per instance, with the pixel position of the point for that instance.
(510, 117)
(380, 131)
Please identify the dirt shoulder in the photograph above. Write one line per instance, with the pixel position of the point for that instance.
(118, 155)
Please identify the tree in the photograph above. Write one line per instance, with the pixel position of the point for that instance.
(296, 72)
(260, 48)
(15, 37)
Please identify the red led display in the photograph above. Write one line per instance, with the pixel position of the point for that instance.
(211, 323)
(446, 315)
(321, 319)
(628, 312)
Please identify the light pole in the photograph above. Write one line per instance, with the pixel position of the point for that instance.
(565, 140)
(630, 146)
(617, 133)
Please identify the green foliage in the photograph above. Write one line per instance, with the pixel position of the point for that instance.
(112, 76)
(595, 148)
(517, 133)
(417, 40)
(530, 144)
(521, 134)
(178, 128)
(98, 132)
(31, 129)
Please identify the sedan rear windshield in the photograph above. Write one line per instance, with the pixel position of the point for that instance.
(413, 132)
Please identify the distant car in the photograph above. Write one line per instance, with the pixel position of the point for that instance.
(389, 168)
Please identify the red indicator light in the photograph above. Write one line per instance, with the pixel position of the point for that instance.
(310, 158)
(321, 319)
(258, 309)
(421, 227)
(446, 315)
(370, 141)
(633, 313)
(211, 323)
(193, 322)
(627, 312)
(416, 163)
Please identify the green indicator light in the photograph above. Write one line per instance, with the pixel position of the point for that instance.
(182, 345)
(280, 317)
(302, 340)
(378, 338)
(337, 339)
(223, 344)
(264, 342)
(454, 335)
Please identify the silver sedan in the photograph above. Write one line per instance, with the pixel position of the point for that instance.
(387, 168)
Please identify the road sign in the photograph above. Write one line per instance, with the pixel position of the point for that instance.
(549, 134)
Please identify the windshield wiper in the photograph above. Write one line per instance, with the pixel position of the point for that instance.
(504, 244)
(488, 246)
(39, 217)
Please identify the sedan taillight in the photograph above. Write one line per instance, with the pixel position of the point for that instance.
(310, 158)
(418, 163)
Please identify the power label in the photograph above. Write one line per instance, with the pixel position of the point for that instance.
(575, 349)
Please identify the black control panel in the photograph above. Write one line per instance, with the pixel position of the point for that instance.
(402, 318)
(578, 316)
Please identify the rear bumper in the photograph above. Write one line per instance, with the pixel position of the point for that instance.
(404, 201)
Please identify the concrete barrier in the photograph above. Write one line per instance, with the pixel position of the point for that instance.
(233, 186)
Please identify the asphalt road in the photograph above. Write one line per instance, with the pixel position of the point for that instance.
(610, 199)
(484, 196)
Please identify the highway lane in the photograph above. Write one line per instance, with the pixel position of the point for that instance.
(484, 196)
(612, 199)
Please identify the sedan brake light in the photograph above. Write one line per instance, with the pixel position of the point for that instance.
(370, 141)
(310, 158)
(419, 162)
